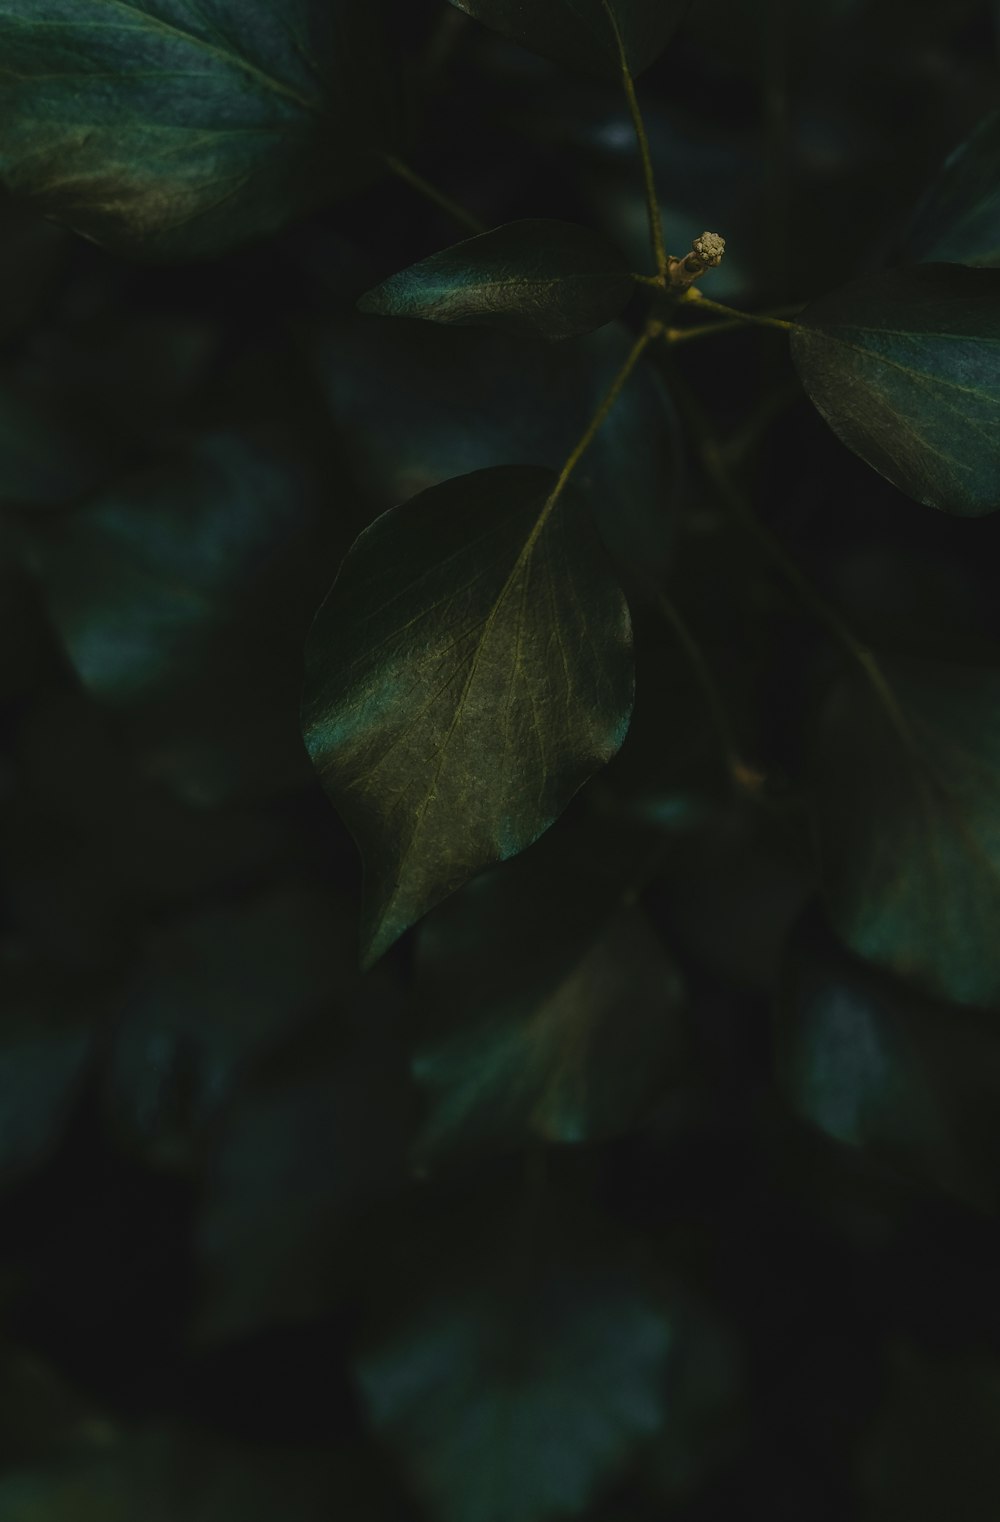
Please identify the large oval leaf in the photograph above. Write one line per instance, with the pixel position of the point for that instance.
(469, 671)
(174, 130)
(540, 277)
(581, 33)
(908, 807)
(905, 367)
(959, 218)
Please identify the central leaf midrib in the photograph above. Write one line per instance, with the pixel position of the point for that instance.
(524, 282)
(475, 659)
(895, 364)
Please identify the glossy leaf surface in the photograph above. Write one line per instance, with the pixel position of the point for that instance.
(958, 220)
(469, 671)
(908, 807)
(553, 279)
(905, 367)
(581, 33)
(174, 131)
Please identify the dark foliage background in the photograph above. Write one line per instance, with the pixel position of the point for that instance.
(620, 1188)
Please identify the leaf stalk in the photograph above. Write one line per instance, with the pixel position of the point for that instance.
(660, 257)
(440, 198)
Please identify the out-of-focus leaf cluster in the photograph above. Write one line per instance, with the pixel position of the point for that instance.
(656, 1169)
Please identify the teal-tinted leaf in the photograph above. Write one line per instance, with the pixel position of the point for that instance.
(303, 1157)
(958, 220)
(581, 33)
(214, 994)
(908, 809)
(182, 596)
(172, 130)
(414, 405)
(553, 279)
(905, 367)
(580, 1058)
(912, 1083)
(469, 671)
(48, 1028)
(138, 582)
(526, 1373)
(574, 1036)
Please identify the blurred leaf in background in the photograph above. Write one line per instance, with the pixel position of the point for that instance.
(655, 1168)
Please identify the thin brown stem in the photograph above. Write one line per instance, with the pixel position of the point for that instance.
(405, 172)
(709, 329)
(593, 428)
(758, 319)
(642, 139)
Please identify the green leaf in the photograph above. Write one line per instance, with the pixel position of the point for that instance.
(579, 1059)
(908, 810)
(173, 131)
(529, 1365)
(215, 994)
(911, 1082)
(298, 1167)
(958, 220)
(905, 367)
(552, 279)
(469, 671)
(182, 596)
(574, 1037)
(414, 405)
(47, 1036)
(581, 33)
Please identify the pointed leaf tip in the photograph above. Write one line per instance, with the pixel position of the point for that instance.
(469, 671)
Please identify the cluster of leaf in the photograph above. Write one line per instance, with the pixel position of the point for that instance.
(646, 1160)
